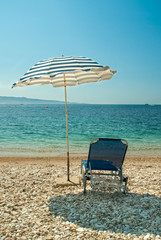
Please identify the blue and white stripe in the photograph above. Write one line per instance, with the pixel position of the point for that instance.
(77, 70)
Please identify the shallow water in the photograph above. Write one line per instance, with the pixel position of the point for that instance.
(36, 130)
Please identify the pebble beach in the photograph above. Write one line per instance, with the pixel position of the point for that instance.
(36, 201)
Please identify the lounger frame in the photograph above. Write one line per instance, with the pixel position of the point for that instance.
(111, 155)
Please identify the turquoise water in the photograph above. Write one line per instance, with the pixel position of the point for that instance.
(29, 130)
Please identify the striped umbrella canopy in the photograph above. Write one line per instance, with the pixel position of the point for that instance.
(62, 72)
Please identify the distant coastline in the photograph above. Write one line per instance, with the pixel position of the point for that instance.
(24, 100)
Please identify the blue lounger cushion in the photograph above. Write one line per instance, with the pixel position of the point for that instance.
(101, 165)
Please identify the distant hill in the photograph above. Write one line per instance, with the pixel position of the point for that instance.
(23, 100)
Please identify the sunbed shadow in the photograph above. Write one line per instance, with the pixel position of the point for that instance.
(116, 212)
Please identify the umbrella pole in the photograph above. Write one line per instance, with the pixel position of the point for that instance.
(66, 128)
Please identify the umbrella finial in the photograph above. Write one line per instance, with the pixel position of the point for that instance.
(62, 55)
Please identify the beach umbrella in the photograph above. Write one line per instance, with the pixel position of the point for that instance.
(62, 72)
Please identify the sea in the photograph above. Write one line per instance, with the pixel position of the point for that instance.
(40, 130)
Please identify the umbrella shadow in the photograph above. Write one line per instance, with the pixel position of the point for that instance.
(116, 212)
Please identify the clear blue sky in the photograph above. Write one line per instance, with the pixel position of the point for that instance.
(123, 34)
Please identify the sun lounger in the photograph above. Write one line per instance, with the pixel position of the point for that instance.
(104, 164)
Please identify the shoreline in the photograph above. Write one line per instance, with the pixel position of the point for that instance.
(132, 151)
(73, 157)
(75, 161)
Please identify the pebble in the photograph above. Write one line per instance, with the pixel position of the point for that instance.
(32, 208)
(80, 229)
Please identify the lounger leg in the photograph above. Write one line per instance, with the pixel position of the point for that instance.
(125, 187)
(91, 176)
(121, 180)
(84, 181)
(81, 177)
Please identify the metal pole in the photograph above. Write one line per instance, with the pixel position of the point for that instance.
(66, 128)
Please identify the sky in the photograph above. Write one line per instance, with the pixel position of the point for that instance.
(122, 34)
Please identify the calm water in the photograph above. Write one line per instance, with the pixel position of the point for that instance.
(37, 130)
